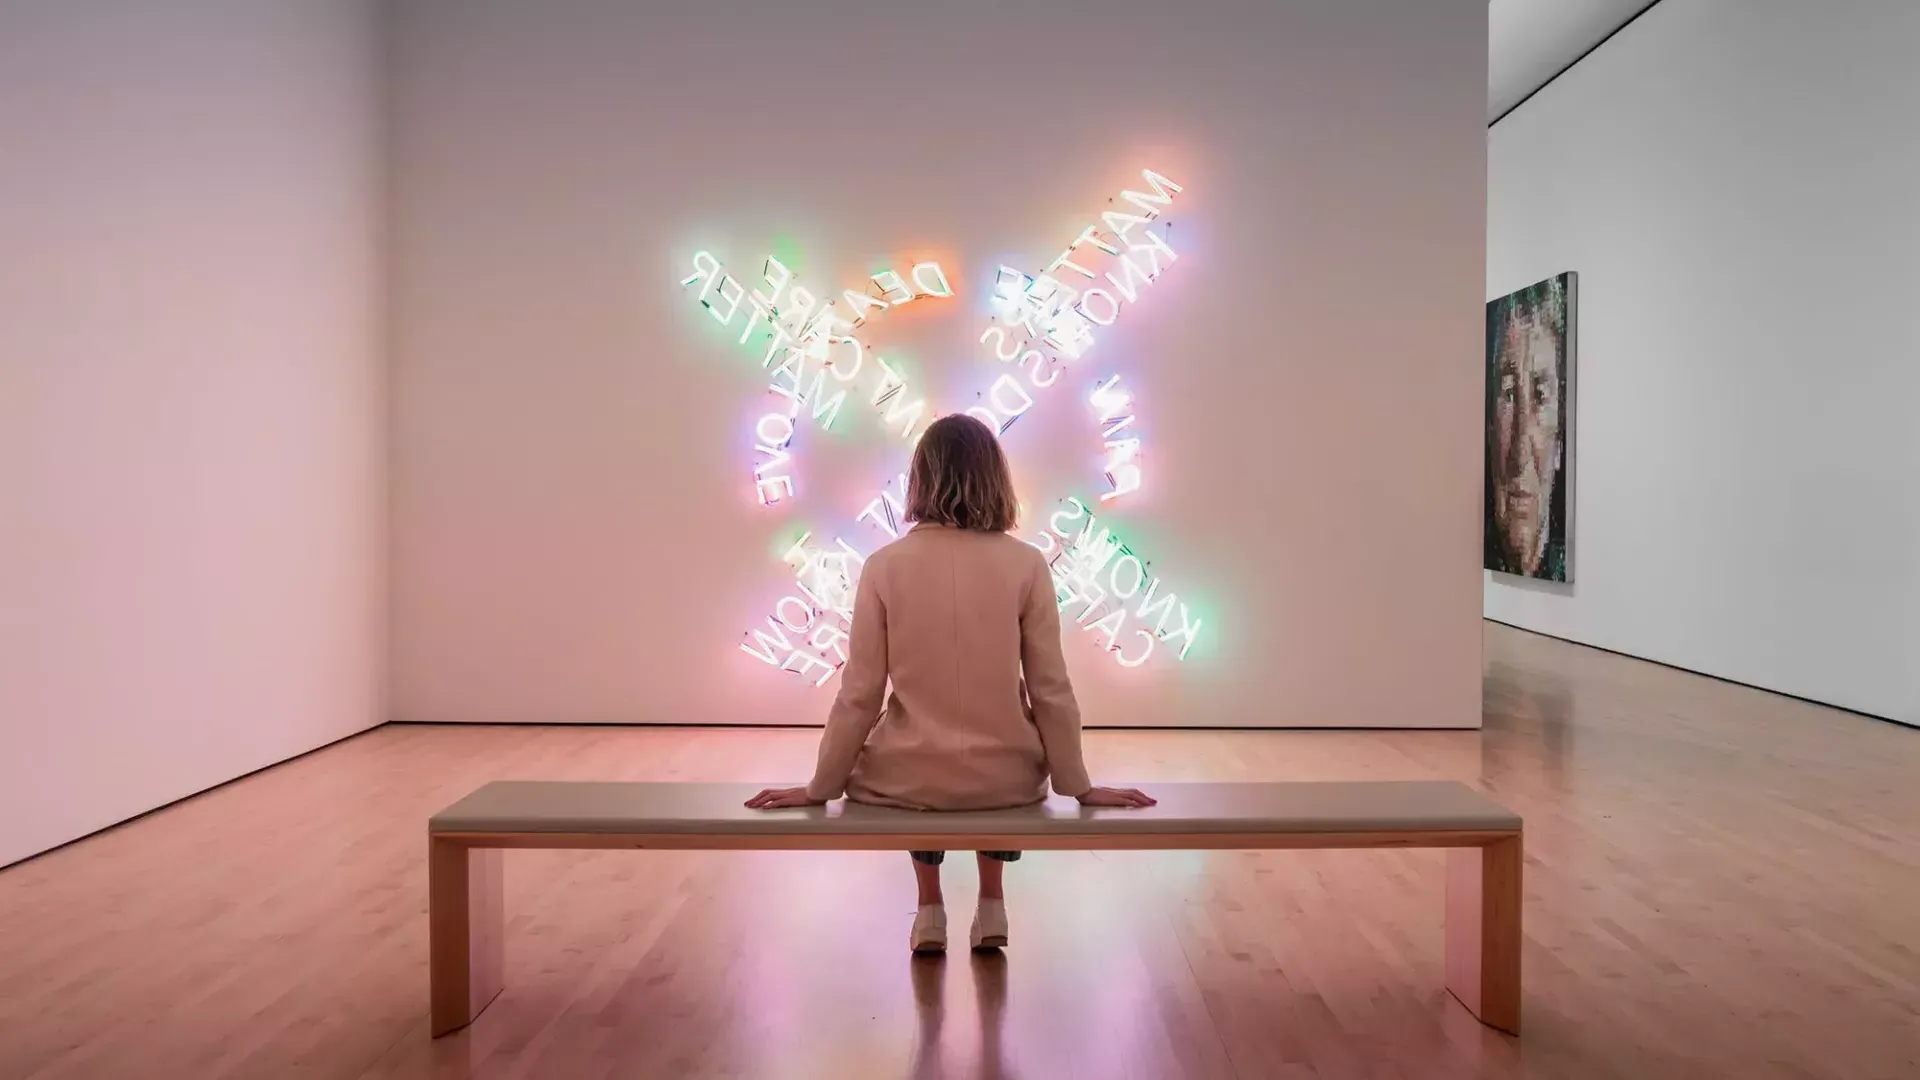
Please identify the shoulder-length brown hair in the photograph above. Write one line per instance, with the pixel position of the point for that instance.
(959, 477)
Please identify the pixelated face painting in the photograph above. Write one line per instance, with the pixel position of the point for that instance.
(1530, 338)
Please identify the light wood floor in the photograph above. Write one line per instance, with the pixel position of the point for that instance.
(1720, 883)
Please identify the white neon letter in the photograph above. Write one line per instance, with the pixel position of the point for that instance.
(1155, 247)
(797, 312)
(1007, 384)
(1079, 511)
(1125, 480)
(733, 302)
(780, 612)
(1039, 363)
(767, 642)
(755, 314)
(1163, 190)
(779, 441)
(1187, 630)
(1001, 338)
(1121, 225)
(907, 415)
(776, 459)
(1113, 577)
(859, 357)
(860, 302)
(807, 660)
(767, 496)
(705, 266)
(1144, 653)
(771, 301)
(1147, 607)
(1113, 306)
(939, 275)
(1111, 624)
(891, 283)
(834, 636)
(880, 514)
(1128, 286)
(1108, 400)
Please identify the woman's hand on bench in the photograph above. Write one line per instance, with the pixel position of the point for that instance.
(782, 798)
(1113, 796)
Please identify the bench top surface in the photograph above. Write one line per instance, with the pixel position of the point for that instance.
(696, 809)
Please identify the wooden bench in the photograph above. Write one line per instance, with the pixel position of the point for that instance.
(1482, 878)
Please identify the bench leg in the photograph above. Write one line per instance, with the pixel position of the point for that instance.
(466, 954)
(1483, 931)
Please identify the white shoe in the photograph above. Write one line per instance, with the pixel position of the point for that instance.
(930, 929)
(990, 925)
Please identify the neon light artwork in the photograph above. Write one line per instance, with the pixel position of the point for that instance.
(799, 328)
(1111, 403)
(813, 346)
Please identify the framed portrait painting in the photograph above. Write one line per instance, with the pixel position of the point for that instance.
(1529, 454)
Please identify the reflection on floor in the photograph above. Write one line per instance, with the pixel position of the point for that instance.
(1720, 883)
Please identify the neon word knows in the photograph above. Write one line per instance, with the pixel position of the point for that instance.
(1042, 321)
(1096, 569)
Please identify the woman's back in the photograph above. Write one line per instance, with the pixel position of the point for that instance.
(964, 625)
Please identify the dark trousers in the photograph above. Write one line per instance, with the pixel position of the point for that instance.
(935, 858)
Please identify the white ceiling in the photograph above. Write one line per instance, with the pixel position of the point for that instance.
(1531, 41)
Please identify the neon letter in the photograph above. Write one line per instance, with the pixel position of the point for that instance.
(1128, 286)
(705, 266)
(767, 497)
(1187, 630)
(767, 642)
(1163, 190)
(1113, 576)
(1154, 248)
(779, 612)
(939, 275)
(771, 301)
(1113, 306)
(733, 305)
(1079, 511)
(1148, 607)
(891, 283)
(1117, 620)
(1144, 653)
(760, 430)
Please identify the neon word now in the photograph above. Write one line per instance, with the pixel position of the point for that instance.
(1100, 574)
(820, 617)
(1042, 321)
(806, 333)
(1112, 404)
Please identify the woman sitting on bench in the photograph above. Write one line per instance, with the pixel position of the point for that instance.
(960, 616)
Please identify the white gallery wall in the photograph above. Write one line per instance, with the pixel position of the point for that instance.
(191, 434)
(576, 535)
(1736, 182)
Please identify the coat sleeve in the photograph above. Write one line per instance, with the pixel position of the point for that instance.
(1055, 712)
(863, 688)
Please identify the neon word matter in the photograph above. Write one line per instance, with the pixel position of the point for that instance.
(806, 333)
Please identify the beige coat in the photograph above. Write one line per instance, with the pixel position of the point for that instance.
(953, 619)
